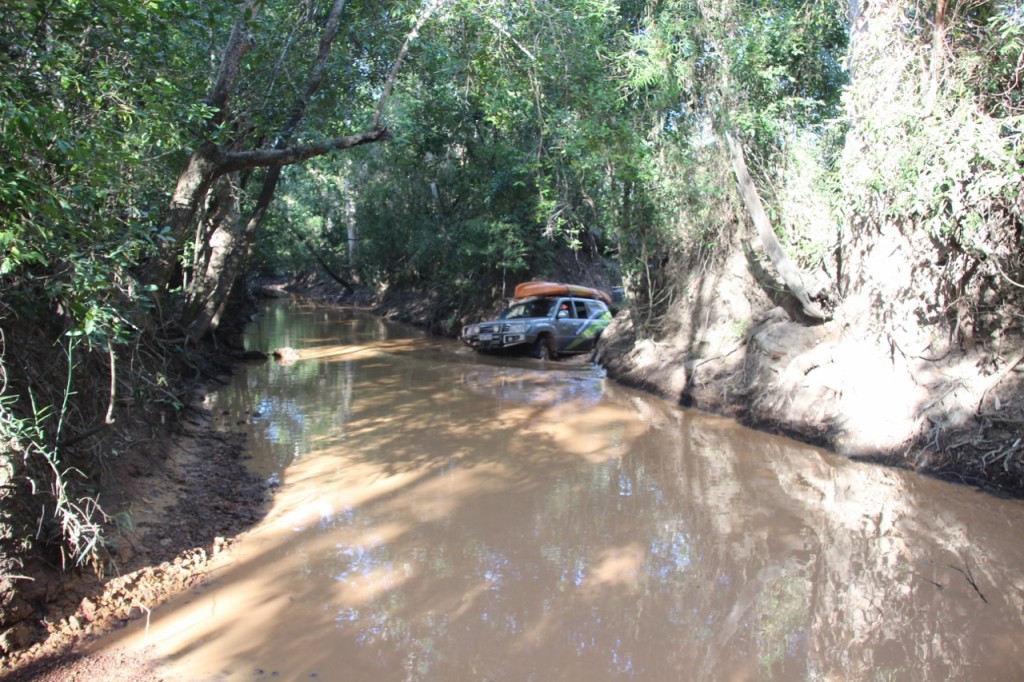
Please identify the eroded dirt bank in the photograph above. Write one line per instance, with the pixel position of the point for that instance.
(898, 394)
(181, 493)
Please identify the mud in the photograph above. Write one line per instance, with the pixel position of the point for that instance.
(180, 506)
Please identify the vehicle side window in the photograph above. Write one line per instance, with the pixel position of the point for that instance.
(564, 309)
(535, 308)
(581, 309)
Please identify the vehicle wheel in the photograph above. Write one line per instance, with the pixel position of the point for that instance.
(542, 349)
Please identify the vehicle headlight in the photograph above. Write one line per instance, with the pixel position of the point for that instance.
(471, 330)
(516, 327)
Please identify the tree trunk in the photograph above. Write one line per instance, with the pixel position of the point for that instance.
(193, 183)
(201, 168)
(198, 318)
(793, 278)
(214, 274)
(351, 229)
(938, 51)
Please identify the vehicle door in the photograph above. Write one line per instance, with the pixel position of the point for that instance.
(586, 336)
(566, 324)
(598, 319)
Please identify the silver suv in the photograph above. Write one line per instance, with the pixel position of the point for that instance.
(544, 326)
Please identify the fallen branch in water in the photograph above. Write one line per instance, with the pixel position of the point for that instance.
(969, 576)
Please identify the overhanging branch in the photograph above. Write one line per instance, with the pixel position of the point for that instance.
(228, 162)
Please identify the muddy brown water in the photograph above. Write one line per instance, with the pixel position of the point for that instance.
(445, 516)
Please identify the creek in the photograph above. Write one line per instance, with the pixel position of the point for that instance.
(442, 515)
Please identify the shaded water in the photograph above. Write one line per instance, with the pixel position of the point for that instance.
(445, 516)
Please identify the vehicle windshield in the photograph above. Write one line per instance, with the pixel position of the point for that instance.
(538, 307)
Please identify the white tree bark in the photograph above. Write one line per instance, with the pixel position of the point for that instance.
(793, 278)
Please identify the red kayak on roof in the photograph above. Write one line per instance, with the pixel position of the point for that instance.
(527, 289)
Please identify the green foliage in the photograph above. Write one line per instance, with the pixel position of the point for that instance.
(34, 467)
(956, 171)
(84, 98)
(806, 208)
(94, 99)
(927, 154)
(510, 132)
(995, 65)
(787, 65)
(586, 126)
(762, 67)
(771, 71)
(934, 151)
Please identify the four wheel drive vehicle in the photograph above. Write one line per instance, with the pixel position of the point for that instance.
(544, 326)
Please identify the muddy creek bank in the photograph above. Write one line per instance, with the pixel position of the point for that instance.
(439, 515)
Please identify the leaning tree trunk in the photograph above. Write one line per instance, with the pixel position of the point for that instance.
(795, 281)
(191, 189)
(213, 275)
(202, 166)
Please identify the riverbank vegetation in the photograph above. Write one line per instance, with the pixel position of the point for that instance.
(815, 208)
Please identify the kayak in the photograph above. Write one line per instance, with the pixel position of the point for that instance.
(527, 289)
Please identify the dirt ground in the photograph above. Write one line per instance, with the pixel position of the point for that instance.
(176, 514)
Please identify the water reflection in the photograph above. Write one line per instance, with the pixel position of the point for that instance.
(528, 385)
(447, 517)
